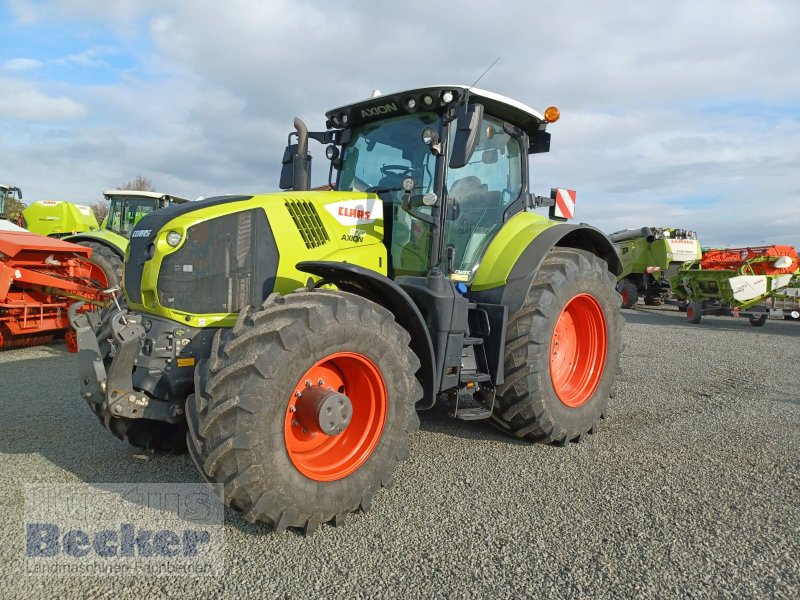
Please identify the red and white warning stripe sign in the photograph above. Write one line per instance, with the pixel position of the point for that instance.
(565, 203)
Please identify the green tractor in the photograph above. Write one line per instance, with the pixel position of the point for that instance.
(125, 210)
(650, 256)
(8, 194)
(57, 218)
(294, 335)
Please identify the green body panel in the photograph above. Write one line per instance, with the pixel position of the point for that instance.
(353, 240)
(109, 238)
(506, 248)
(638, 256)
(58, 217)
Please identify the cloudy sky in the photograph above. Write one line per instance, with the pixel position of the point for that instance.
(674, 113)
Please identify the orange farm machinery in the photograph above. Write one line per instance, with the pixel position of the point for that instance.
(39, 278)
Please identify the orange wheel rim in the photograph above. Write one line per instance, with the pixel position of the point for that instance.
(578, 350)
(624, 296)
(324, 457)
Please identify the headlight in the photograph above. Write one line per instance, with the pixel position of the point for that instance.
(447, 97)
(174, 238)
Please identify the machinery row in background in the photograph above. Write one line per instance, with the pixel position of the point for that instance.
(668, 265)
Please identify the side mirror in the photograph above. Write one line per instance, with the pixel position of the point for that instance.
(287, 168)
(467, 132)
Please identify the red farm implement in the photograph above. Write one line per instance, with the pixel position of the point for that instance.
(39, 278)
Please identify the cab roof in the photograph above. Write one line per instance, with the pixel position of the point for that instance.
(137, 194)
(396, 104)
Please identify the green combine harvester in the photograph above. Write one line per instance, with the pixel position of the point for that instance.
(295, 334)
(57, 218)
(650, 256)
(736, 281)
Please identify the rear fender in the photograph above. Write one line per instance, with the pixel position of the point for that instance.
(520, 267)
(112, 240)
(382, 290)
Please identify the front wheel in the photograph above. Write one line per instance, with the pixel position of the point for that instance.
(758, 321)
(304, 408)
(562, 351)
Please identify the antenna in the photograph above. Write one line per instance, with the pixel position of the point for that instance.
(489, 68)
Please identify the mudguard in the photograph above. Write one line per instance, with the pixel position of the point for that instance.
(382, 290)
(514, 258)
(115, 241)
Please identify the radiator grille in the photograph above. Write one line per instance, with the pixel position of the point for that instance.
(306, 219)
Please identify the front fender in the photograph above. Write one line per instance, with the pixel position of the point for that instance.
(382, 290)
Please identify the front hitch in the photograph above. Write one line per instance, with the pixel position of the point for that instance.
(113, 389)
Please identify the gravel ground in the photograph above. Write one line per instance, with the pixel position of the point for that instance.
(690, 488)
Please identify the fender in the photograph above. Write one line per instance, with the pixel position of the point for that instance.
(382, 290)
(526, 263)
(117, 243)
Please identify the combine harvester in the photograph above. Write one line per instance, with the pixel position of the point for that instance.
(57, 218)
(736, 281)
(40, 277)
(650, 257)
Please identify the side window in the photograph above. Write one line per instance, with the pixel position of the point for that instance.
(481, 191)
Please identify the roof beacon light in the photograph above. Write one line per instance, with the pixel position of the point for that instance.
(376, 93)
(552, 114)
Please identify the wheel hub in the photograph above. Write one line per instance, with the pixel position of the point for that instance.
(323, 410)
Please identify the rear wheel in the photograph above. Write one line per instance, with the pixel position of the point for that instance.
(303, 409)
(562, 351)
(104, 252)
(145, 434)
(629, 293)
(758, 321)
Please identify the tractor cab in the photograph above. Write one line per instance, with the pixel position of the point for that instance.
(127, 207)
(7, 193)
(450, 161)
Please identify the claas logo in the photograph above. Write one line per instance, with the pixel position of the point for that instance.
(353, 212)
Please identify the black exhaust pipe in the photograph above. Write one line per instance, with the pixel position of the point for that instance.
(302, 161)
(631, 234)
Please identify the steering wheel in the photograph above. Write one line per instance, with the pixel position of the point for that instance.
(395, 170)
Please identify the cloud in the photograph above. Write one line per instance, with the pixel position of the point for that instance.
(21, 100)
(21, 64)
(677, 113)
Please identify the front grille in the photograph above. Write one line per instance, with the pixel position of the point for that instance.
(225, 264)
(306, 219)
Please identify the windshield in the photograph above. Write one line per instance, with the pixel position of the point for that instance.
(377, 159)
(124, 213)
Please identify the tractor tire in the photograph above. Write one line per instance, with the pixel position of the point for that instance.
(144, 434)
(250, 430)
(758, 321)
(694, 312)
(652, 301)
(112, 280)
(682, 305)
(101, 250)
(573, 306)
(629, 293)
